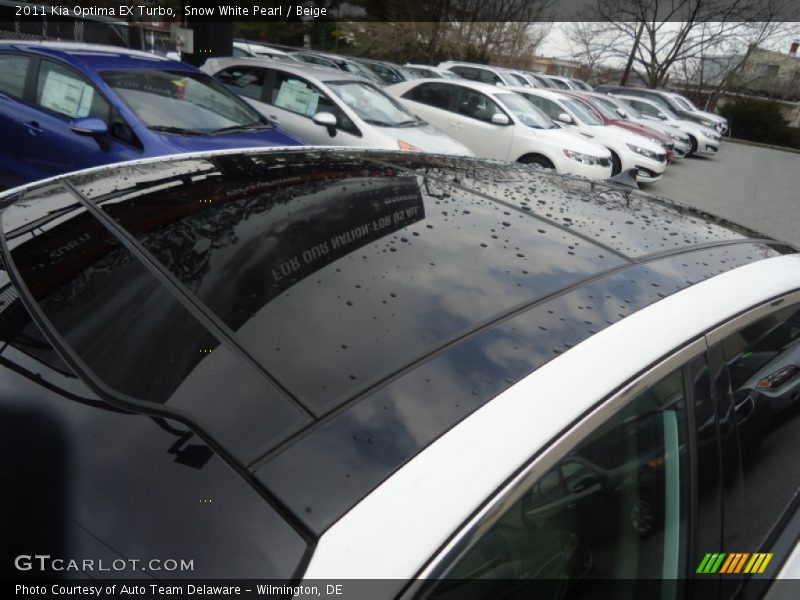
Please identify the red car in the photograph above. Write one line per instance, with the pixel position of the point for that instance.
(612, 119)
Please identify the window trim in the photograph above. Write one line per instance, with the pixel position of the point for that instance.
(751, 315)
(513, 491)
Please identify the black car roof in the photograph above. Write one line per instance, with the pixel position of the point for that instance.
(321, 316)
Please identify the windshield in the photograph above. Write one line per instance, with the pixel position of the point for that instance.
(182, 102)
(527, 113)
(520, 80)
(632, 112)
(581, 111)
(371, 104)
(684, 101)
(606, 108)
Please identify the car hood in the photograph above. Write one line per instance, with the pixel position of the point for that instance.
(695, 127)
(425, 137)
(194, 143)
(610, 134)
(710, 116)
(643, 130)
(574, 141)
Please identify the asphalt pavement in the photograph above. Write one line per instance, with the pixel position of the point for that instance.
(751, 185)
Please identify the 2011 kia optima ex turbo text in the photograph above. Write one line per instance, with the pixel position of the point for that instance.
(445, 373)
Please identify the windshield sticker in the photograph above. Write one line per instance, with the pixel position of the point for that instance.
(297, 97)
(67, 95)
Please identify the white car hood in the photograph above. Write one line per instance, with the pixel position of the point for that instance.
(425, 137)
(572, 140)
(609, 134)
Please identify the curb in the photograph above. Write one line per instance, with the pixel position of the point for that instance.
(760, 145)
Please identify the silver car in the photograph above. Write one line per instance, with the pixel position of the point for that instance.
(327, 107)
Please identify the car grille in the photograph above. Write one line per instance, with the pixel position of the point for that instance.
(604, 162)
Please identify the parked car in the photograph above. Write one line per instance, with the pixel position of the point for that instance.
(721, 123)
(611, 117)
(615, 107)
(305, 365)
(628, 150)
(429, 72)
(69, 106)
(479, 73)
(541, 80)
(340, 63)
(244, 49)
(329, 107)
(498, 123)
(665, 99)
(703, 140)
(388, 73)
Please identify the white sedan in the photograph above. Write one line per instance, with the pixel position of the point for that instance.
(327, 107)
(498, 123)
(628, 150)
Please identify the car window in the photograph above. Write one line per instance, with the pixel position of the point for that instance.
(181, 101)
(474, 74)
(371, 104)
(618, 509)
(438, 95)
(247, 81)
(302, 97)
(582, 111)
(764, 370)
(13, 69)
(63, 91)
(645, 108)
(388, 75)
(527, 113)
(477, 106)
(239, 53)
(548, 107)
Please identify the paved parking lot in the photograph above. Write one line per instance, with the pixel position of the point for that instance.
(757, 187)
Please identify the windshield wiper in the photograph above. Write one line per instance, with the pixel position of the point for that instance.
(242, 128)
(177, 130)
(410, 123)
(378, 123)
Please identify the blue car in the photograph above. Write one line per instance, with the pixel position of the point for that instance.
(65, 107)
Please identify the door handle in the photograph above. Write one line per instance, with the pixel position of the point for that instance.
(33, 127)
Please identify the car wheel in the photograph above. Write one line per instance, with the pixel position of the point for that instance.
(537, 159)
(643, 517)
(693, 149)
(616, 164)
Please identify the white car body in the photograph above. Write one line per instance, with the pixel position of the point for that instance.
(483, 73)
(422, 137)
(706, 140)
(616, 139)
(513, 141)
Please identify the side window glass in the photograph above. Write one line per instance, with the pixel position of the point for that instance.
(488, 77)
(13, 69)
(465, 72)
(616, 507)
(477, 106)
(764, 368)
(551, 109)
(65, 92)
(644, 108)
(433, 94)
(246, 81)
(295, 95)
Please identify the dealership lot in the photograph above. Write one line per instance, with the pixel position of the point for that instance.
(751, 185)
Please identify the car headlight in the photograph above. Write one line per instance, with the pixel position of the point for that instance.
(643, 151)
(406, 146)
(707, 123)
(586, 159)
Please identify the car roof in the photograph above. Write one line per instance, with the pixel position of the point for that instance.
(359, 303)
(96, 56)
(309, 70)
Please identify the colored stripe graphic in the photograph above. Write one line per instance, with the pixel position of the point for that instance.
(734, 563)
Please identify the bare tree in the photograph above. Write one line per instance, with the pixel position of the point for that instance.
(592, 43)
(676, 31)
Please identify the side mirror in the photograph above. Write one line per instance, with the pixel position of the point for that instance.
(622, 113)
(662, 116)
(328, 120)
(564, 118)
(500, 119)
(89, 126)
